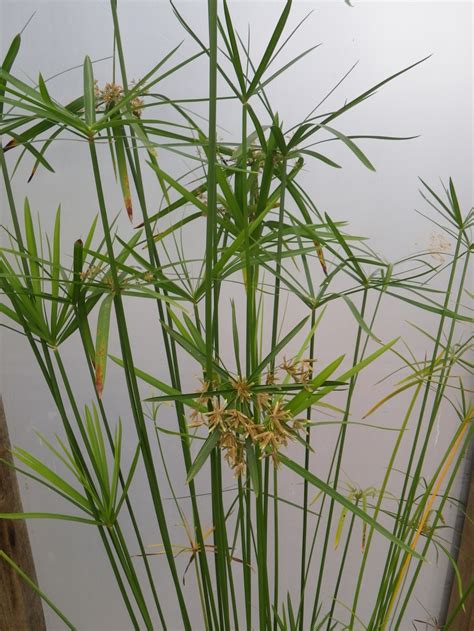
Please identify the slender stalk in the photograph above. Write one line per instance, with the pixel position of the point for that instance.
(306, 493)
(245, 555)
(274, 335)
(339, 460)
(50, 379)
(55, 391)
(341, 570)
(128, 503)
(134, 395)
(380, 499)
(403, 518)
(242, 236)
(276, 560)
(426, 512)
(248, 555)
(131, 513)
(221, 551)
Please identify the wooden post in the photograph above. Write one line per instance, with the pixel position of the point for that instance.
(464, 621)
(20, 607)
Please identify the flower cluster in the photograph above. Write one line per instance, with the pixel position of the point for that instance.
(268, 429)
(300, 371)
(111, 93)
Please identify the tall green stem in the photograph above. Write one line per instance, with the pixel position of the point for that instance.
(133, 390)
(168, 341)
(306, 494)
(340, 451)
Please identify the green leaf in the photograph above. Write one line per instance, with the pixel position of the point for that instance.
(359, 319)
(305, 398)
(97, 449)
(39, 155)
(118, 135)
(264, 62)
(179, 224)
(56, 480)
(235, 338)
(44, 90)
(44, 125)
(336, 496)
(34, 152)
(187, 195)
(102, 342)
(116, 469)
(10, 57)
(367, 360)
(9, 313)
(340, 526)
(233, 49)
(32, 251)
(320, 156)
(81, 520)
(455, 204)
(77, 269)
(126, 486)
(438, 309)
(90, 234)
(288, 65)
(203, 455)
(343, 243)
(56, 269)
(279, 347)
(351, 145)
(291, 615)
(279, 139)
(156, 383)
(89, 92)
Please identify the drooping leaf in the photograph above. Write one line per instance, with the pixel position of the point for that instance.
(351, 145)
(341, 499)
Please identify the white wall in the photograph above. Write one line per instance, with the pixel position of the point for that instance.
(433, 101)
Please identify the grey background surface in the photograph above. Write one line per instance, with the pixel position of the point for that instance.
(433, 101)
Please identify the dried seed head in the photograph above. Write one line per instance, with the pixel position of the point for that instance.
(90, 272)
(271, 378)
(136, 105)
(300, 371)
(242, 390)
(111, 93)
(196, 418)
(205, 386)
(216, 417)
(261, 400)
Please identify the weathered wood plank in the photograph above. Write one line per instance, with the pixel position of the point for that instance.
(20, 607)
(464, 621)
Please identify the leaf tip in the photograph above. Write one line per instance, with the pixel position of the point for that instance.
(128, 206)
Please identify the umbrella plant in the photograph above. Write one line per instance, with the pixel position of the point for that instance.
(252, 420)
